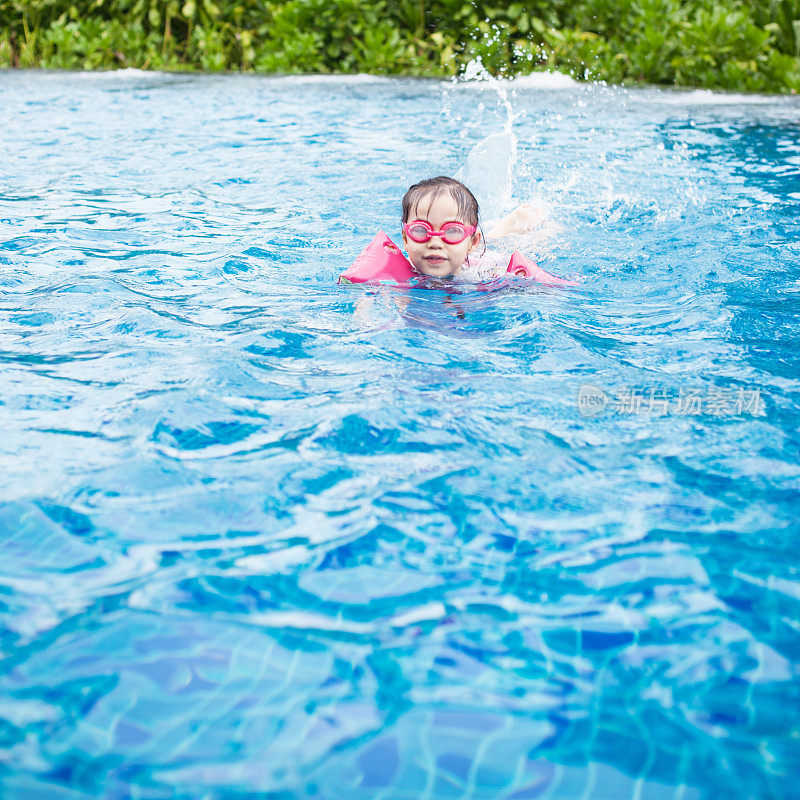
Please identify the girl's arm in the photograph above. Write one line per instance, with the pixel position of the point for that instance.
(524, 218)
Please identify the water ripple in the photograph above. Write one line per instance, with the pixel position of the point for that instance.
(263, 535)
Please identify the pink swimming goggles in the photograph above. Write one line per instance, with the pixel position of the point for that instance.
(452, 232)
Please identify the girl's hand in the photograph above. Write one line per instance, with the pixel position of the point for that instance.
(526, 217)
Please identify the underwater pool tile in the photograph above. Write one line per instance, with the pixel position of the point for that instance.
(32, 544)
(471, 721)
(379, 763)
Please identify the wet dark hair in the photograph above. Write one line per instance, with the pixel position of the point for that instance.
(433, 188)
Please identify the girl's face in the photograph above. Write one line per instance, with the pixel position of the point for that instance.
(435, 257)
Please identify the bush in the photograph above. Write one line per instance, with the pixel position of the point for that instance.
(743, 45)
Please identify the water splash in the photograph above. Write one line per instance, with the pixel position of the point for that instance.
(491, 165)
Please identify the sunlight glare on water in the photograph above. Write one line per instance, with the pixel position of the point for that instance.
(265, 536)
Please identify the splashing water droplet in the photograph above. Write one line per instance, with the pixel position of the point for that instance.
(491, 164)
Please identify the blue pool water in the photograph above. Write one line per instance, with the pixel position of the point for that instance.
(262, 536)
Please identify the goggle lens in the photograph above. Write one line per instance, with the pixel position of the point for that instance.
(453, 234)
(419, 233)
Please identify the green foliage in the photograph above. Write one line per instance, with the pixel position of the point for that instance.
(750, 45)
(782, 19)
(692, 43)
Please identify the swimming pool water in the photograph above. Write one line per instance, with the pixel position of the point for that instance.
(262, 536)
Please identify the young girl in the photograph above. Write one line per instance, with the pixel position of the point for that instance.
(442, 238)
(441, 234)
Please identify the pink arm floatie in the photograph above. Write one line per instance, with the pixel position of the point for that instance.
(522, 267)
(382, 260)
